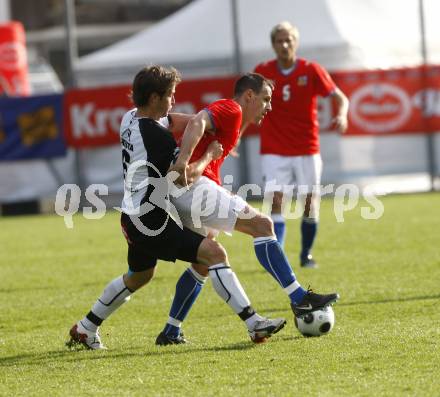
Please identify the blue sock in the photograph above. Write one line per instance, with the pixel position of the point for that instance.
(279, 225)
(188, 289)
(309, 228)
(272, 258)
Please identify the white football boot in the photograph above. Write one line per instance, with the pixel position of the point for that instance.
(265, 328)
(82, 336)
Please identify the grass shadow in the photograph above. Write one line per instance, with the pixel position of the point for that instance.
(28, 289)
(81, 354)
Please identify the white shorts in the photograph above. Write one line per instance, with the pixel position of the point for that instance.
(281, 173)
(208, 208)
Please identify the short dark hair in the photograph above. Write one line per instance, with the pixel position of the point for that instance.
(152, 79)
(253, 81)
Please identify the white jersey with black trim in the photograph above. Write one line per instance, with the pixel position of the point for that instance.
(148, 149)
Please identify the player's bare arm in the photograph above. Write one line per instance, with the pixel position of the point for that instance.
(193, 133)
(234, 151)
(179, 121)
(340, 121)
(195, 169)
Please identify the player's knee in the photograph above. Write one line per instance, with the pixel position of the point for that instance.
(257, 225)
(217, 253)
(200, 269)
(263, 226)
(277, 202)
(311, 208)
(136, 280)
(267, 226)
(313, 213)
(211, 253)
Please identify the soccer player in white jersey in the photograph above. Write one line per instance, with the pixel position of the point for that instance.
(223, 120)
(147, 220)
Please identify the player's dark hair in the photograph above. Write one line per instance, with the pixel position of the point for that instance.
(152, 79)
(253, 81)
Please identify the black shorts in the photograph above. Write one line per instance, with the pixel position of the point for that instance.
(171, 244)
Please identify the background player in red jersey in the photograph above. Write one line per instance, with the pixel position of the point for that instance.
(290, 133)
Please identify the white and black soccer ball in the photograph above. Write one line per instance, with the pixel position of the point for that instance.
(317, 323)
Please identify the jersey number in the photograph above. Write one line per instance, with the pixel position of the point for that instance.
(125, 161)
(286, 92)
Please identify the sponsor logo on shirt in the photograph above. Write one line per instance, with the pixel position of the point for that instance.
(126, 134)
(302, 81)
(127, 145)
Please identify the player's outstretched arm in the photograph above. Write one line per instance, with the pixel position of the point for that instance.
(340, 121)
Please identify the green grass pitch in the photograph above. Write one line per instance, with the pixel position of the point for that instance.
(385, 341)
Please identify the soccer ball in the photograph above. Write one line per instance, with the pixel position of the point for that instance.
(317, 323)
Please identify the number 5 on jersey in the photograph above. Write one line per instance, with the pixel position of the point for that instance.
(286, 92)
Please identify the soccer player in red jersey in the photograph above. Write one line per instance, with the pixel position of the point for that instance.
(290, 133)
(226, 116)
(206, 207)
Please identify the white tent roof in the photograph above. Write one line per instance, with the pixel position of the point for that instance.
(339, 34)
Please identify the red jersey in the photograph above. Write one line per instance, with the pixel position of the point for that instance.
(291, 128)
(225, 115)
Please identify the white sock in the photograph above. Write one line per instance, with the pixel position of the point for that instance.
(279, 218)
(115, 294)
(174, 322)
(88, 325)
(201, 279)
(228, 287)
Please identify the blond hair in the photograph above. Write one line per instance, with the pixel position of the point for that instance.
(288, 27)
